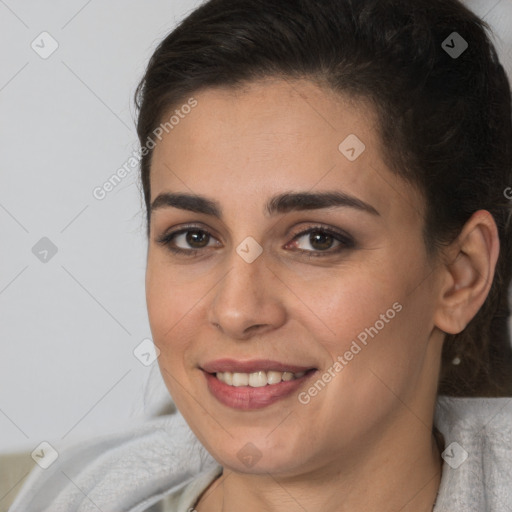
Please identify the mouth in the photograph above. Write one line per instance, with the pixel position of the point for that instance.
(257, 379)
(253, 384)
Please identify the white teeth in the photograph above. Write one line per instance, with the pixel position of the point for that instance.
(257, 379)
(240, 379)
(274, 377)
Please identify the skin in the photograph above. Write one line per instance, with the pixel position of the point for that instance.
(365, 441)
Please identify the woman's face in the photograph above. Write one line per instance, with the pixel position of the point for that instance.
(285, 277)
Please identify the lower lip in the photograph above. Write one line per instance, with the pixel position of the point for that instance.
(247, 397)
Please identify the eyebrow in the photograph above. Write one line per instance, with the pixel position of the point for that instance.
(282, 203)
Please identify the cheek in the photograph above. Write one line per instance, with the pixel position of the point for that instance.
(370, 322)
(167, 308)
(168, 304)
(384, 347)
(343, 304)
(176, 300)
(168, 299)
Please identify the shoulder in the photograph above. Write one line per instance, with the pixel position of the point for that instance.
(477, 468)
(126, 471)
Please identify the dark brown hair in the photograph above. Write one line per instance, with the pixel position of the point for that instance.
(444, 120)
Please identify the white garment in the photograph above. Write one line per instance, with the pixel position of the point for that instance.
(134, 470)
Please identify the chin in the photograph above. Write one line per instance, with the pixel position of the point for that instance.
(257, 456)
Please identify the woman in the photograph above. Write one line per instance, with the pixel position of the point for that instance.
(329, 248)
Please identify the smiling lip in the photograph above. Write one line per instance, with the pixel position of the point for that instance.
(247, 397)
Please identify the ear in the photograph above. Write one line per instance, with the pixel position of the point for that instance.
(467, 273)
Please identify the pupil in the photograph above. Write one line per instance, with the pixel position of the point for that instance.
(322, 237)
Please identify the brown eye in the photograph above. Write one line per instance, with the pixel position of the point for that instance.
(188, 241)
(320, 240)
(198, 237)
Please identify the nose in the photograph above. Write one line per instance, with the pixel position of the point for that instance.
(247, 300)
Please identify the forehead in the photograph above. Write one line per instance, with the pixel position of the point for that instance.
(276, 135)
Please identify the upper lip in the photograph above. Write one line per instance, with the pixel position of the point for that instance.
(251, 366)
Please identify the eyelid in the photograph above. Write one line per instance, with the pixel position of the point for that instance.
(324, 229)
(170, 234)
(345, 241)
(176, 230)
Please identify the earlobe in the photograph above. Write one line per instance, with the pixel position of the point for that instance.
(467, 273)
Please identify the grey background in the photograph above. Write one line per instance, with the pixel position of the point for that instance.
(68, 326)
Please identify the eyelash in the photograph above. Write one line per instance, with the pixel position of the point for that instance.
(345, 241)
